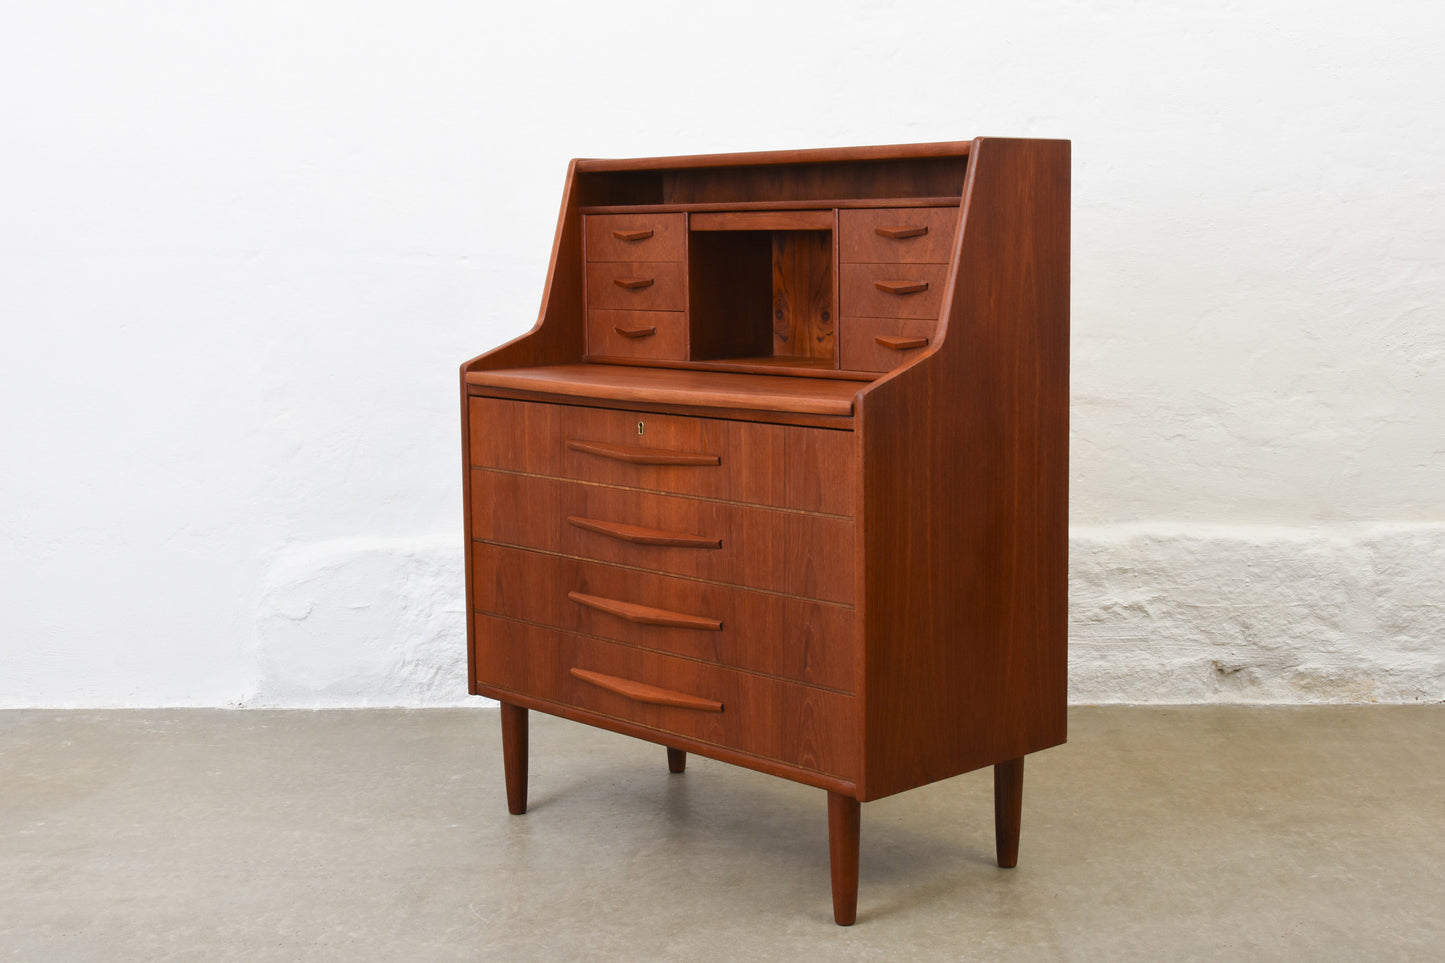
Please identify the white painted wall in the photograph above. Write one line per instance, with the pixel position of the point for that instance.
(244, 247)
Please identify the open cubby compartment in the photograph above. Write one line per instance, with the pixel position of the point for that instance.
(762, 288)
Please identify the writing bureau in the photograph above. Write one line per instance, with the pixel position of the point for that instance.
(780, 474)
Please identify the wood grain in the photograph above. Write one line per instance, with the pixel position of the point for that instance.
(705, 389)
(978, 584)
(514, 757)
(821, 220)
(1008, 800)
(946, 149)
(810, 556)
(646, 614)
(636, 285)
(640, 455)
(786, 204)
(790, 723)
(778, 635)
(658, 237)
(859, 240)
(649, 694)
(863, 297)
(939, 508)
(642, 535)
(730, 294)
(611, 333)
(860, 349)
(773, 465)
(844, 823)
(802, 278)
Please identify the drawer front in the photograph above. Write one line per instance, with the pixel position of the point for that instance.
(637, 285)
(882, 344)
(783, 466)
(915, 235)
(637, 334)
(892, 290)
(635, 237)
(788, 552)
(795, 724)
(806, 641)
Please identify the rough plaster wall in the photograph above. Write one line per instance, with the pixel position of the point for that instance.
(245, 246)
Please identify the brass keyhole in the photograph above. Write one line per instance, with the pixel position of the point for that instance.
(639, 427)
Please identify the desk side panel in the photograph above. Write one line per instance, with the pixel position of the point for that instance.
(964, 495)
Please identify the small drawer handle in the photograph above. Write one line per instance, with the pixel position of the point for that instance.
(900, 343)
(642, 692)
(635, 332)
(901, 287)
(633, 284)
(645, 614)
(636, 235)
(638, 535)
(899, 233)
(642, 456)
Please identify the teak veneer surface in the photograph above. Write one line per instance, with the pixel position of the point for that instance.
(778, 466)
(707, 389)
(810, 556)
(541, 587)
(795, 724)
(842, 562)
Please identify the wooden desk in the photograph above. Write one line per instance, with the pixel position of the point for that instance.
(780, 475)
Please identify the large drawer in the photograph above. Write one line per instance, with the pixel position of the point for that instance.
(795, 724)
(774, 634)
(783, 466)
(787, 552)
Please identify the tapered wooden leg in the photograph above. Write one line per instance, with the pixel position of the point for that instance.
(676, 760)
(514, 757)
(843, 813)
(1008, 802)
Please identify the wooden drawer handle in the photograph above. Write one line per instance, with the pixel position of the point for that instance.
(633, 284)
(645, 614)
(635, 332)
(901, 287)
(900, 343)
(642, 692)
(642, 456)
(898, 233)
(636, 235)
(638, 535)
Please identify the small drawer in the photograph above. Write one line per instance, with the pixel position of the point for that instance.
(776, 635)
(637, 334)
(810, 556)
(891, 290)
(635, 237)
(882, 344)
(913, 235)
(782, 466)
(637, 285)
(795, 724)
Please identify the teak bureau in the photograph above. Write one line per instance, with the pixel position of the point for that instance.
(780, 474)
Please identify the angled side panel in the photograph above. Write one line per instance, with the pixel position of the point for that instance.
(965, 495)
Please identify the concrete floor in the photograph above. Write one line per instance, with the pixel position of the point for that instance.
(1192, 833)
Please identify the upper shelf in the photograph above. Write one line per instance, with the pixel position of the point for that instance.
(793, 205)
(822, 155)
(707, 389)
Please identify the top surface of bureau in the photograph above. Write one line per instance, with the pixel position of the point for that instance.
(704, 389)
